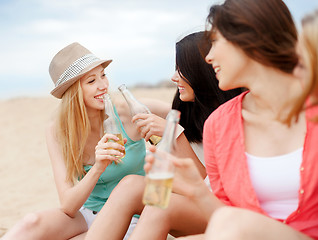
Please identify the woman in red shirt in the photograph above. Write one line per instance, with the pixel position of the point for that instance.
(262, 167)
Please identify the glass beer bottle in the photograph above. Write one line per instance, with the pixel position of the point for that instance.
(111, 123)
(137, 107)
(159, 179)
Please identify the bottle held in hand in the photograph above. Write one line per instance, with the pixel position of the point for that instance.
(160, 178)
(137, 107)
(111, 123)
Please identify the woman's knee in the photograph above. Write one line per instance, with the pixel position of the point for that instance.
(132, 184)
(131, 180)
(30, 221)
(226, 222)
(27, 226)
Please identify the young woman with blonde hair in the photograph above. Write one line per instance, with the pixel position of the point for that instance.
(307, 67)
(82, 158)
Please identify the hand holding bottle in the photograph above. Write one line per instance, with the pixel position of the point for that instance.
(137, 107)
(107, 151)
(160, 177)
(187, 180)
(149, 125)
(112, 126)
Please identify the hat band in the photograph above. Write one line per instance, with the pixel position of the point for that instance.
(76, 67)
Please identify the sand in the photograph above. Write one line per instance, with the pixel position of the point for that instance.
(27, 183)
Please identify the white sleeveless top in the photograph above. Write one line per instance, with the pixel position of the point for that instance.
(198, 150)
(276, 182)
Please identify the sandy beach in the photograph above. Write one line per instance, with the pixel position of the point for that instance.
(27, 183)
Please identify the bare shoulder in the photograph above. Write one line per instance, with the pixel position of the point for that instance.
(50, 128)
(51, 135)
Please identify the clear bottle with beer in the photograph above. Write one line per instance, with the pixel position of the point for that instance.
(137, 107)
(111, 123)
(159, 178)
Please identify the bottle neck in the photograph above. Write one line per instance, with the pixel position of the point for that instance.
(130, 99)
(110, 123)
(168, 139)
(134, 105)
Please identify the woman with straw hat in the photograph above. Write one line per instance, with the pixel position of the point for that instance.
(83, 160)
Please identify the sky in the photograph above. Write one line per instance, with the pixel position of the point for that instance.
(139, 35)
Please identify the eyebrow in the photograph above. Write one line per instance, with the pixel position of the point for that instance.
(93, 75)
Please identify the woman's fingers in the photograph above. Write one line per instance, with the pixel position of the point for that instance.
(139, 116)
(149, 159)
(108, 136)
(108, 149)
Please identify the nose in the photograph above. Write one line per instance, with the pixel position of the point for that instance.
(103, 83)
(209, 57)
(175, 77)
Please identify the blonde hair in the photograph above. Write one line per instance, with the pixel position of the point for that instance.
(73, 128)
(310, 44)
(309, 41)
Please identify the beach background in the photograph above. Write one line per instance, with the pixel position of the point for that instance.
(27, 183)
(139, 35)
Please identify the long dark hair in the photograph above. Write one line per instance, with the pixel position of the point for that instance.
(190, 62)
(263, 29)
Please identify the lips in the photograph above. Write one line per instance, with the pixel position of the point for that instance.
(100, 96)
(216, 69)
(180, 88)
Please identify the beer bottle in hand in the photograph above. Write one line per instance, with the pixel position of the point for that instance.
(137, 107)
(111, 123)
(159, 178)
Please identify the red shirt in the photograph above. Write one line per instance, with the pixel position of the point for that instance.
(226, 165)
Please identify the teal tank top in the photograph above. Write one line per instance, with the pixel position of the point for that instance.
(132, 163)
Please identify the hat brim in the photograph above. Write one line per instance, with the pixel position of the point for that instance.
(60, 89)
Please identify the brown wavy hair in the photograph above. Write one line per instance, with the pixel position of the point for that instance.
(263, 29)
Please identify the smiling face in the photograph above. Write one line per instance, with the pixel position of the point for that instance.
(229, 62)
(94, 85)
(186, 92)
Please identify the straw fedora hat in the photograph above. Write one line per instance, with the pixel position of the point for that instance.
(70, 64)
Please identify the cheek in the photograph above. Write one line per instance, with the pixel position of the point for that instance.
(86, 95)
(191, 95)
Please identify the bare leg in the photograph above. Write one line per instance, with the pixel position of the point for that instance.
(193, 237)
(182, 217)
(114, 218)
(50, 224)
(234, 223)
(79, 237)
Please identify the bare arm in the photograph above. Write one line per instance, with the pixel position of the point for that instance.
(158, 107)
(73, 196)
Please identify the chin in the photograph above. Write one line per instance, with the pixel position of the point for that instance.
(224, 87)
(183, 99)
